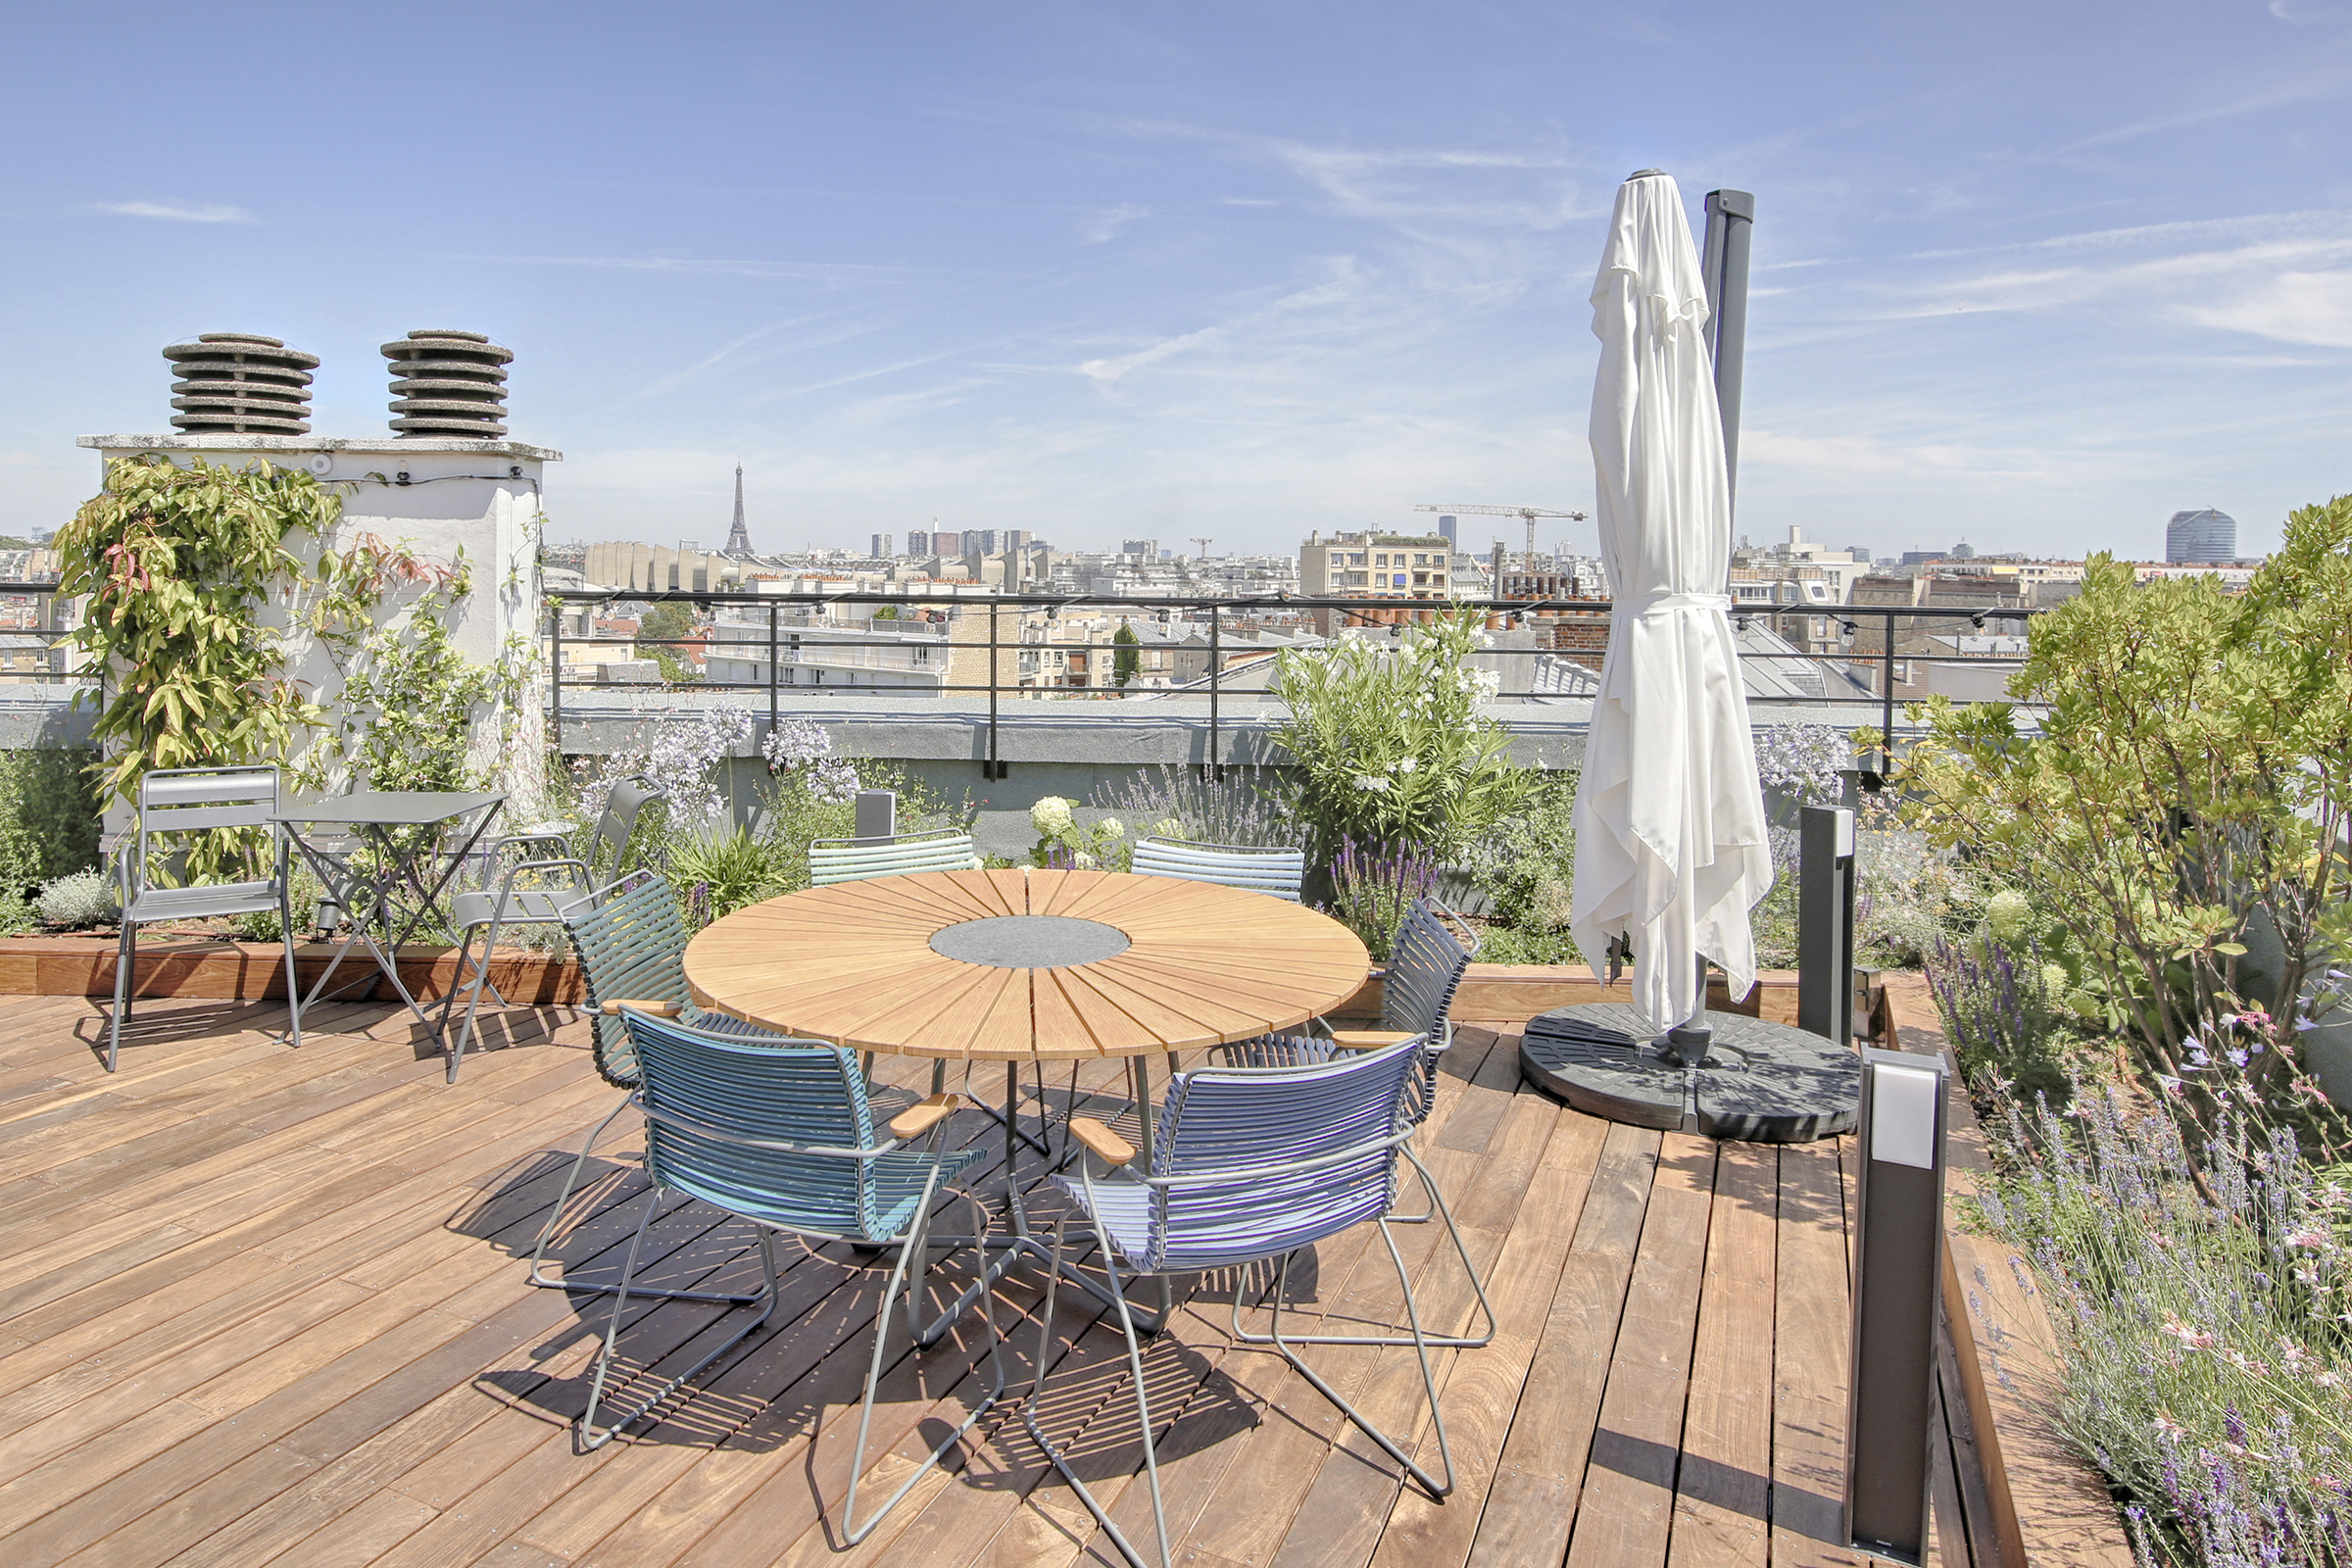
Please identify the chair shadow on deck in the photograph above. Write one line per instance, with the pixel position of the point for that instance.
(824, 1307)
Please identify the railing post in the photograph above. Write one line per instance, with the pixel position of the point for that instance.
(772, 676)
(1898, 1262)
(555, 688)
(1216, 665)
(1886, 704)
(994, 769)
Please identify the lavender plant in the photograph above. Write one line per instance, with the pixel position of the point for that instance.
(2001, 1008)
(2198, 1287)
(1373, 889)
(1250, 807)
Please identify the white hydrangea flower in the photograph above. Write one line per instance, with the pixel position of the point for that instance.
(1111, 827)
(1053, 815)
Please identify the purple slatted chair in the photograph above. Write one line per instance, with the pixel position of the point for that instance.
(1246, 1166)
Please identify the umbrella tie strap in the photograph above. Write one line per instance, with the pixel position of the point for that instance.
(1644, 606)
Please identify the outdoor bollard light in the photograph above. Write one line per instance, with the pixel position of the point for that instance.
(877, 813)
(1899, 1258)
(1825, 923)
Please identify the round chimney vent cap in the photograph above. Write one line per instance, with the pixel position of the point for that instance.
(240, 337)
(449, 331)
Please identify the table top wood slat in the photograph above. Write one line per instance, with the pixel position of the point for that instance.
(852, 962)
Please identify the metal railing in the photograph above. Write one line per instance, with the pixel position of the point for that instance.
(28, 645)
(1207, 619)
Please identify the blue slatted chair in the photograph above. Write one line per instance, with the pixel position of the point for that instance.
(1425, 968)
(1248, 1165)
(832, 861)
(1233, 865)
(631, 945)
(549, 891)
(780, 1133)
(174, 801)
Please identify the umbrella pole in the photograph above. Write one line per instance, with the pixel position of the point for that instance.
(1731, 214)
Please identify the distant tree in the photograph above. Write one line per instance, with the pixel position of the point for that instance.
(1126, 661)
(665, 622)
(887, 613)
(662, 624)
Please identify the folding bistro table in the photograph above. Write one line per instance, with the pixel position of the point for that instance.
(396, 894)
(1026, 966)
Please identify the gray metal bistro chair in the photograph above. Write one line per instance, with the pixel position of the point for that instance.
(780, 1134)
(832, 861)
(561, 885)
(175, 801)
(1231, 865)
(1425, 969)
(1248, 1166)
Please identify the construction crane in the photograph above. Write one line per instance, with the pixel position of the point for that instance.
(1203, 541)
(1529, 513)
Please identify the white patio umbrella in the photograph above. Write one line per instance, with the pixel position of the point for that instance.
(1671, 851)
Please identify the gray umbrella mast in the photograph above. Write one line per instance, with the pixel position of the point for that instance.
(1731, 214)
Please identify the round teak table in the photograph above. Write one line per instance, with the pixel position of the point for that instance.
(1026, 966)
(1021, 965)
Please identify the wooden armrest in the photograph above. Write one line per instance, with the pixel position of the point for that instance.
(659, 1009)
(919, 1118)
(1100, 1142)
(1367, 1039)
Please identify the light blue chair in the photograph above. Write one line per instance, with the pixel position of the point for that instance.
(1425, 968)
(832, 861)
(1233, 865)
(1246, 1166)
(780, 1134)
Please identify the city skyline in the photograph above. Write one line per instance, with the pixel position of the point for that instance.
(1236, 273)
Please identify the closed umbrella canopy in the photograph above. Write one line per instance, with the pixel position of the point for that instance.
(1671, 851)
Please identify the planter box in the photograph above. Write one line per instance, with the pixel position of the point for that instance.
(85, 966)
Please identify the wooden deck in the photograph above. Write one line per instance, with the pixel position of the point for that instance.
(259, 1305)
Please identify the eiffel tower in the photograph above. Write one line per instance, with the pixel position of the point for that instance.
(739, 542)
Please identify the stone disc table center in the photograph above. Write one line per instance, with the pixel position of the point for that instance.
(1029, 942)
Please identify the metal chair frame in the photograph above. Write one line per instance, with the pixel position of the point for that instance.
(1277, 874)
(615, 831)
(198, 800)
(1416, 997)
(656, 1040)
(1247, 1174)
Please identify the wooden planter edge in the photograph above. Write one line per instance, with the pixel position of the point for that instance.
(85, 966)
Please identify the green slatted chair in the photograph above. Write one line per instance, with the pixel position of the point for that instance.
(832, 861)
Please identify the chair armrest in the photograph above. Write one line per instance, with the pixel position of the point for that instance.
(923, 1115)
(659, 1009)
(1368, 1039)
(1100, 1142)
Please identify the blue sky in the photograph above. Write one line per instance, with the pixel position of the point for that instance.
(2034, 276)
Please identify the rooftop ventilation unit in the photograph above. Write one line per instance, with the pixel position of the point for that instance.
(448, 383)
(237, 381)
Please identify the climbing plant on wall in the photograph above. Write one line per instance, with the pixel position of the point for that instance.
(176, 564)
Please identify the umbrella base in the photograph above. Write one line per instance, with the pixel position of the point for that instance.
(1759, 1082)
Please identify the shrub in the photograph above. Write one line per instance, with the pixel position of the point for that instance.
(2187, 798)
(48, 821)
(1526, 866)
(1065, 846)
(81, 898)
(1390, 742)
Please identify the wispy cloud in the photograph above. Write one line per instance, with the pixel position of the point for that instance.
(1100, 228)
(177, 212)
(2328, 77)
(1107, 372)
(823, 273)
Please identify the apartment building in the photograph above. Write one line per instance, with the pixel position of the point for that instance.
(1376, 565)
